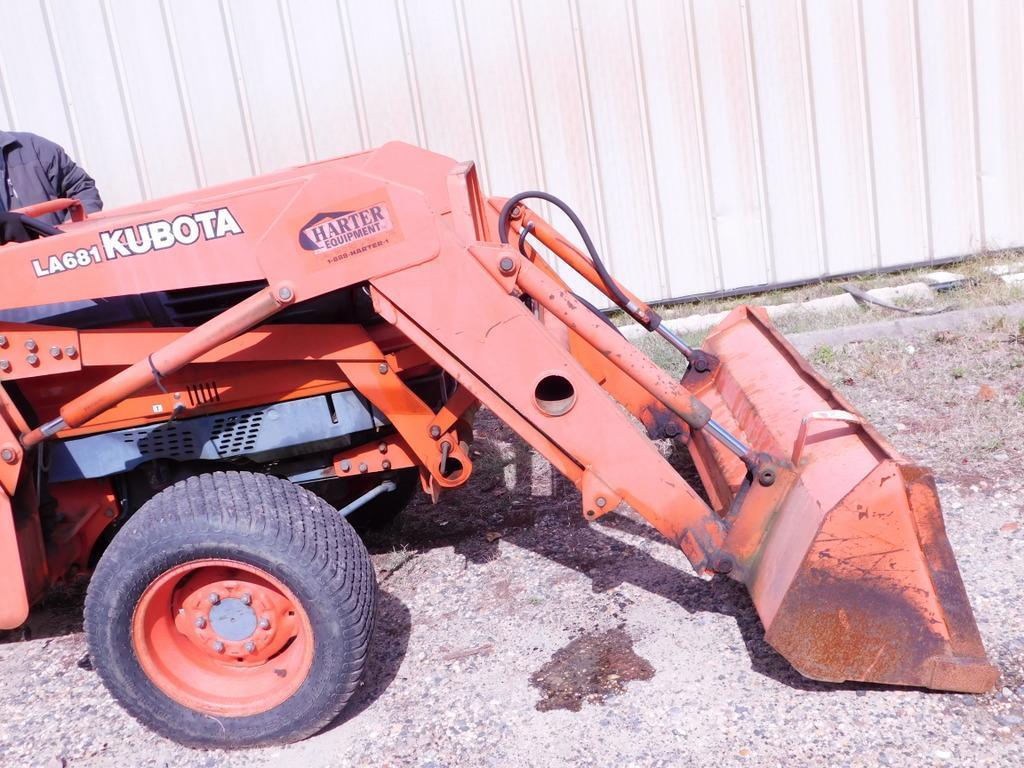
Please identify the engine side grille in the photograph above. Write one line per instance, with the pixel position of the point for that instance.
(236, 433)
(170, 440)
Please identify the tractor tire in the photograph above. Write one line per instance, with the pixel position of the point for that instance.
(232, 610)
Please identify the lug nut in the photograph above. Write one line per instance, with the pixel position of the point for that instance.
(214, 598)
(31, 345)
(264, 623)
(250, 647)
(54, 352)
(200, 622)
(218, 646)
(246, 599)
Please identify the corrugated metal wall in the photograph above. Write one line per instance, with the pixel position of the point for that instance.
(710, 144)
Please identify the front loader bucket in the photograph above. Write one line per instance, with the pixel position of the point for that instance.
(845, 551)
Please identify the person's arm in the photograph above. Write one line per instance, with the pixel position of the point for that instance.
(71, 180)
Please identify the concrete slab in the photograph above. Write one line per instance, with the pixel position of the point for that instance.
(942, 280)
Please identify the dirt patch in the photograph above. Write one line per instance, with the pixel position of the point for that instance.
(589, 669)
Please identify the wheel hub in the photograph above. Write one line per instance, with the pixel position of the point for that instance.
(223, 637)
(232, 619)
(237, 620)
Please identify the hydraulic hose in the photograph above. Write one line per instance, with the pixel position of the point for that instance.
(617, 295)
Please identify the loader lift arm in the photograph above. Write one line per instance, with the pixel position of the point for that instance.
(802, 529)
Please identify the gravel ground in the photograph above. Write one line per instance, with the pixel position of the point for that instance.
(511, 633)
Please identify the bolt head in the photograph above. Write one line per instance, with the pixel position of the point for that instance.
(55, 352)
(218, 646)
(506, 264)
(264, 623)
(383, 447)
(766, 477)
(32, 359)
(71, 350)
(724, 564)
(31, 345)
(346, 465)
(435, 431)
(5, 365)
(601, 502)
(383, 367)
(285, 294)
(8, 455)
(3, 341)
(200, 622)
(246, 599)
(214, 598)
(250, 647)
(363, 468)
(385, 465)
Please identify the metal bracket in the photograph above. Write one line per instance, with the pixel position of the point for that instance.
(801, 436)
(598, 498)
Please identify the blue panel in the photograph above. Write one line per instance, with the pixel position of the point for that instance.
(217, 436)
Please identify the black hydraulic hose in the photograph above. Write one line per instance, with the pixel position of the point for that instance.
(613, 288)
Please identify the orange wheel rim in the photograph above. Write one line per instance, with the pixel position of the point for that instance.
(222, 637)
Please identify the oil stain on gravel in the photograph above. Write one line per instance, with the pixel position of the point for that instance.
(589, 669)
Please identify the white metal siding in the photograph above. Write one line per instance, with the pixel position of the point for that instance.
(709, 144)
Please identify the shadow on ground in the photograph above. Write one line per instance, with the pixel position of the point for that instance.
(471, 518)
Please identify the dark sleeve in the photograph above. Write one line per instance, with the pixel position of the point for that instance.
(71, 180)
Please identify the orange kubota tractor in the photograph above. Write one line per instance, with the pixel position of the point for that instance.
(193, 386)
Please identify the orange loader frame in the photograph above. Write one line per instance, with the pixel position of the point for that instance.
(839, 539)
